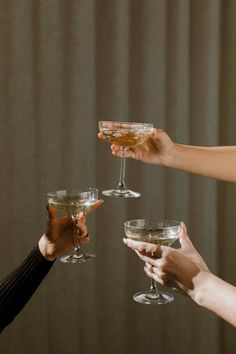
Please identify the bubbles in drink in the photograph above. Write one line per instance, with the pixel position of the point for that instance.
(125, 137)
(71, 208)
(152, 235)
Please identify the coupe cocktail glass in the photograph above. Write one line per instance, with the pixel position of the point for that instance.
(126, 135)
(72, 202)
(165, 233)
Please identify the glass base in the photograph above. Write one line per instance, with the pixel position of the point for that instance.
(77, 258)
(124, 193)
(150, 298)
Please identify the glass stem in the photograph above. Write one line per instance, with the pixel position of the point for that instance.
(78, 249)
(121, 184)
(153, 287)
(76, 238)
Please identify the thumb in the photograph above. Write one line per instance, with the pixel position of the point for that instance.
(81, 217)
(156, 133)
(183, 238)
(183, 233)
(160, 134)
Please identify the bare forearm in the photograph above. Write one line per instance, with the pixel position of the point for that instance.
(214, 162)
(217, 296)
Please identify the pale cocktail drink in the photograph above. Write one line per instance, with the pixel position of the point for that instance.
(157, 237)
(70, 208)
(126, 135)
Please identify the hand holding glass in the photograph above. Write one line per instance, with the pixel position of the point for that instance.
(72, 202)
(160, 233)
(125, 134)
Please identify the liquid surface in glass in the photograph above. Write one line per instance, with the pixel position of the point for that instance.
(71, 207)
(125, 136)
(152, 235)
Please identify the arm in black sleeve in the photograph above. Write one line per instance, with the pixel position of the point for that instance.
(18, 287)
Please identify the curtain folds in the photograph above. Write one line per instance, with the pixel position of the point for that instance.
(65, 65)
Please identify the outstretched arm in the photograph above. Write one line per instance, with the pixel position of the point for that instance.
(18, 287)
(214, 162)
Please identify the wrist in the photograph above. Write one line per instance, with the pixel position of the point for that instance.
(44, 248)
(201, 285)
(170, 159)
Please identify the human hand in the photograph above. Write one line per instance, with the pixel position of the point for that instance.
(181, 269)
(59, 237)
(155, 150)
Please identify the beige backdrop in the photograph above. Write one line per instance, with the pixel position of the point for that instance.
(65, 65)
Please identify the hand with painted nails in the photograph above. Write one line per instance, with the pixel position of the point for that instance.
(17, 288)
(176, 268)
(154, 150)
(59, 237)
(218, 162)
(185, 271)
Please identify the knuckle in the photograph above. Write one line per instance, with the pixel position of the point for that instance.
(163, 267)
(167, 256)
(155, 251)
(164, 277)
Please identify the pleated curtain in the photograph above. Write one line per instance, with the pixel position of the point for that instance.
(65, 65)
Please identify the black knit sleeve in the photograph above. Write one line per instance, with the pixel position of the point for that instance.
(18, 287)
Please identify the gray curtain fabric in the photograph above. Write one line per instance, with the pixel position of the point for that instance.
(65, 65)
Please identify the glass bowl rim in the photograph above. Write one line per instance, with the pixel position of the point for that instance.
(71, 192)
(178, 222)
(127, 123)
